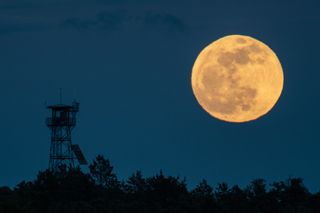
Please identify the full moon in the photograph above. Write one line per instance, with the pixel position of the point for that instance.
(237, 79)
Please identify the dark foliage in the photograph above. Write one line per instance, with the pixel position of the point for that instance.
(100, 191)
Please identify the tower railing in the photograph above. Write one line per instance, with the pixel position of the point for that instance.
(60, 122)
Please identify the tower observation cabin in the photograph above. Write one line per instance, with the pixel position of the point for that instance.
(61, 123)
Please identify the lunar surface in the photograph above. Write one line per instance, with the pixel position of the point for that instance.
(237, 79)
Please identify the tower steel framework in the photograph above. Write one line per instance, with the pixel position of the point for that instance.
(61, 123)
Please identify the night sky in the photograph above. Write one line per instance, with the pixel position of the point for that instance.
(129, 62)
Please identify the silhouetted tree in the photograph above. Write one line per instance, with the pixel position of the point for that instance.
(8, 203)
(238, 200)
(136, 184)
(166, 194)
(259, 198)
(203, 191)
(203, 198)
(231, 200)
(136, 190)
(222, 191)
(102, 173)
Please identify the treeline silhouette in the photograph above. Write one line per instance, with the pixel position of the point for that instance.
(100, 191)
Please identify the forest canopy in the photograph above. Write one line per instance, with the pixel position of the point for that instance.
(100, 191)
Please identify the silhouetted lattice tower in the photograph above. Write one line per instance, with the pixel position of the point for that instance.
(61, 124)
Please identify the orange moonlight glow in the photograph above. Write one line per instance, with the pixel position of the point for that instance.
(237, 79)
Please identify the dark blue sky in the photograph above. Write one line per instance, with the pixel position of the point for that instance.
(129, 64)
